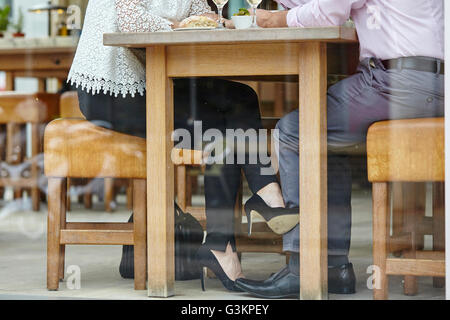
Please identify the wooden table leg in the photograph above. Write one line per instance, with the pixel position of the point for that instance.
(313, 170)
(9, 81)
(160, 176)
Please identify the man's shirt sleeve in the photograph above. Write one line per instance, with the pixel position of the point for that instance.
(322, 13)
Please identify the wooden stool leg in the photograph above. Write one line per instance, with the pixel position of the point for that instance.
(414, 203)
(14, 150)
(109, 194)
(140, 233)
(130, 195)
(87, 196)
(68, 199)
(438, 225)
(181, 187)
(35, 150)
(381, 227)
(56, 209)
(62, 247)
(397, 211)
(18, 193)
(36, 198)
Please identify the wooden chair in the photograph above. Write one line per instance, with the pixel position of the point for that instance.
(18, 110)
(70, 108)
(403, 155)
(76, 148)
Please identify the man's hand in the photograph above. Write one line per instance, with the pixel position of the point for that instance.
(175, 24)
(229, 24)
(267, 19)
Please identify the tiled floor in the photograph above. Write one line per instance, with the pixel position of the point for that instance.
(23, 261)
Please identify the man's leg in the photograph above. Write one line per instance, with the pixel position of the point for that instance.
(339, 192)
(373, 94)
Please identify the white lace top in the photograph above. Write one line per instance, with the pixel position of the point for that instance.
(116, 70)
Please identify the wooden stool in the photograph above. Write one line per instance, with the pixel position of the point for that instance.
(409, 152)
(77, 148)
(18, 110)
(70, 108)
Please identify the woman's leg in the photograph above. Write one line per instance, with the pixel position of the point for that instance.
(221, 187)
(224, 106)
(125, 115)
(243, 114)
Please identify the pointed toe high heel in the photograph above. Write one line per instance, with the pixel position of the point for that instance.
(207, 260)
(280, 220)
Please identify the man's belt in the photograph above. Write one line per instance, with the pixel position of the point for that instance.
(415, 63)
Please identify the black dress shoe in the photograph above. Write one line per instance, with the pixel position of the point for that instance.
(206, 259)
(284, 286)
(280, 220)
(341, 279)
(272, 278)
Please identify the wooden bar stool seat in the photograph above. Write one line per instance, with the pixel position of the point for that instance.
(76, 148)
(410, 152)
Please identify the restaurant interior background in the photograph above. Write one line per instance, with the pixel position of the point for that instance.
(23, 211)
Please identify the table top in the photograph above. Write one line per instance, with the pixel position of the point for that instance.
(38, 45)
(145, 39)
(45, 43)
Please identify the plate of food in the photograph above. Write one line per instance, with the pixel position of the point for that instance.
(197, 23)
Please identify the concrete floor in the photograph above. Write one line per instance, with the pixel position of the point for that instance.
(23, 260)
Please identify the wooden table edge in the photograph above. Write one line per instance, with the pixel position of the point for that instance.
(145, 39)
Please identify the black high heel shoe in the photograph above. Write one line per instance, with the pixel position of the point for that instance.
(206, 259)
(280, 220)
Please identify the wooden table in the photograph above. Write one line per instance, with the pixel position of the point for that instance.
(36, 62)
(32, 58)
(237, 53)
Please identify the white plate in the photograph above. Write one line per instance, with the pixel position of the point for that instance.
(194, 29)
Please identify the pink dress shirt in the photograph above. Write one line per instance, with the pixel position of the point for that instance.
(387, 29)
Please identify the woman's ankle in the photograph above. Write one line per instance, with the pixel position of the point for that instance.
(271, 194)
(229, 262)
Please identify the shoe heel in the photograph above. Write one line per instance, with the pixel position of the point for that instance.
(249, 223)
(346, 289)
(202, 278)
